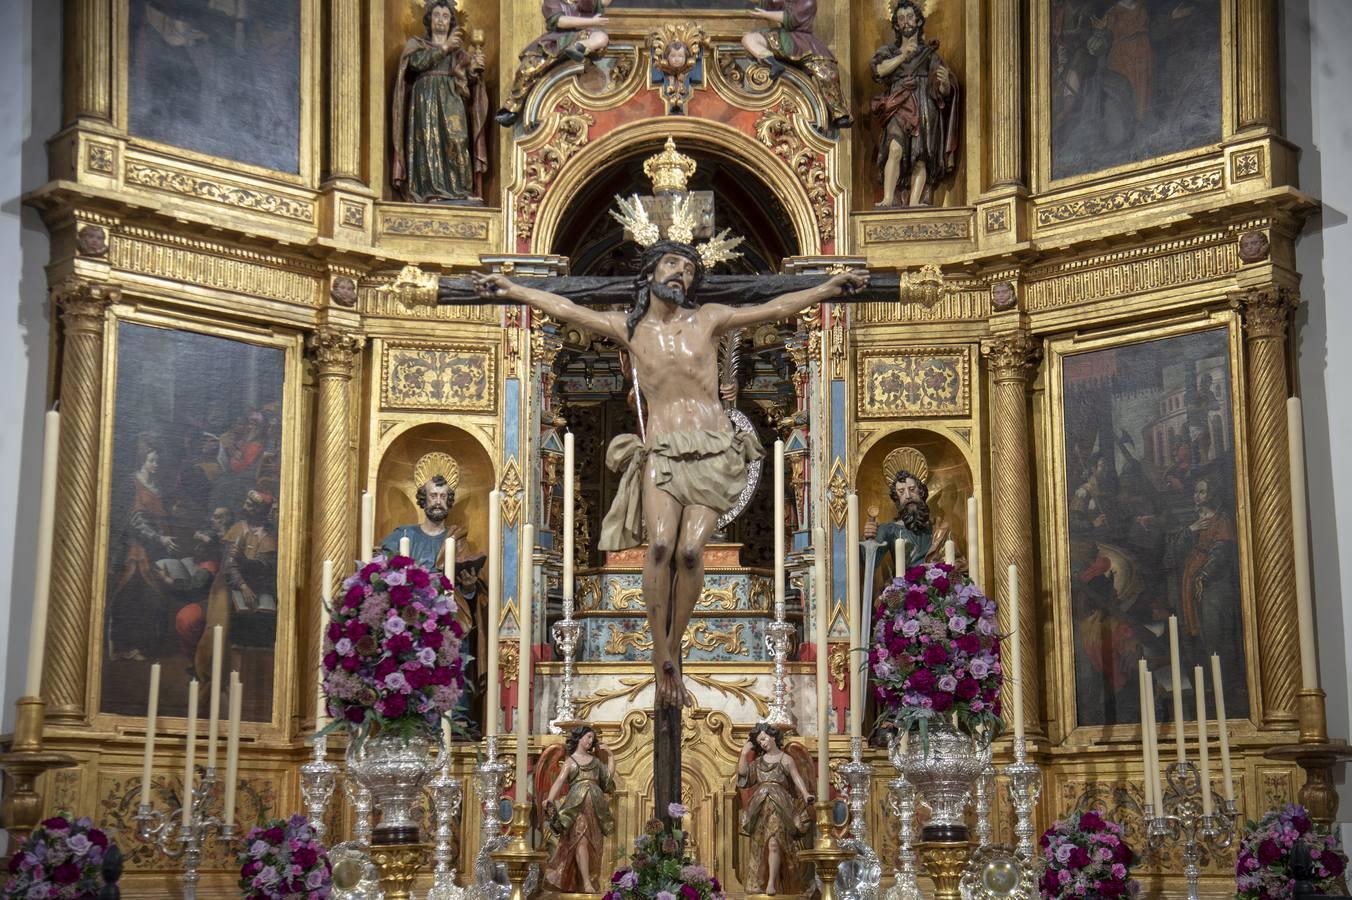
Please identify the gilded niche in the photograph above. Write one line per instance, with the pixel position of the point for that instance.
(922, 382)
(451, 377)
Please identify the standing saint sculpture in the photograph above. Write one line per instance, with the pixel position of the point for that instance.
(577, 810)
(916, 117)
(775, 812)
(689, 465)
(440, 109)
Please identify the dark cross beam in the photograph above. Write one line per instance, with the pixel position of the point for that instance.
(734, 290)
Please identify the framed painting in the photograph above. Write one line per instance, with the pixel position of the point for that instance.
(1129, 81)
(1147, 438)
(682, 5)
(219, 78)
(199, 492)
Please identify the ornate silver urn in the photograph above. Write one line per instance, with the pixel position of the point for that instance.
(395, 769)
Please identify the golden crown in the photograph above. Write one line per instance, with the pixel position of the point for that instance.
(669, 170)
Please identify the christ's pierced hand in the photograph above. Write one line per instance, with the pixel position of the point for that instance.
(849, 282)
(492, 287)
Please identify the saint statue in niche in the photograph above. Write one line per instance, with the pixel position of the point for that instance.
(791, 40)
(440, 108)
(576, 32)
(916, 117)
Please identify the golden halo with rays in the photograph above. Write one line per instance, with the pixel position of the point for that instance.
(436, 463)
(904, 458)
(927, 8)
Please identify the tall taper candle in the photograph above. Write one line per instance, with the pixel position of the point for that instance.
(1203, 751)
(779, 528)
(214, 721)
(368, 525)
(1146, 784)
(232, 748)
(973, 541)
(899, 556)
(448, 560)
(821, 603)
(404, 545)
(152, 707)
(523, 674)
(950, 552)
(190, 760)
(1219, 687)
(1156, 787)
(857, 612)
(325, 614)
(42, 574)
(569, 482)
(1015, 651)
(1176, 684)
(491, 695)
(1300, 532)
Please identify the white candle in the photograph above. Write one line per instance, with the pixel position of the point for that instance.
(190, 760)
(494, 610)
(899, 556)
(214, 722)
(1300, 532)
(822, 606)
(973, 548)
(569, 526)
(152, 708)
(1203, 751)
(325, 616)
(1219, 687)
(1176, 683)
(446, 736)
(232, 748)
(1156, 788)
(523, 675)
(42, 574)
(1015, 670)
(858, 653)
(779, 529)
(404, 545)
(950, 552)
(1145, 735)
(448, 560)
(368, 525)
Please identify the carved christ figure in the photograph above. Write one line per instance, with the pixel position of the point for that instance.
(690, 465)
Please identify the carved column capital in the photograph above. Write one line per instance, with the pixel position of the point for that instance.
(1013, 356)
(334, 350)
(83, 303)
(1266, 310)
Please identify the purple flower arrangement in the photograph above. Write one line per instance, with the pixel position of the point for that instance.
(936, 653)
(392, 652)
(284, 860)
(62, 858)
(659, 868)
(1085, 855)
(1263, 866)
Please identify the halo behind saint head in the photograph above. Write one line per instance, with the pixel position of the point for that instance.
(905, 459)
(437, 463)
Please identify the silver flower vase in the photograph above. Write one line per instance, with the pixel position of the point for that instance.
(944, 775)
(395, 769)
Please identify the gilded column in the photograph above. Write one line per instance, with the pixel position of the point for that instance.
(1013, 359)
(83, 307)
(1257, 64)
(1266, 314)
(1005, 127)
(88, 88)
(345, 75)
(334, 352)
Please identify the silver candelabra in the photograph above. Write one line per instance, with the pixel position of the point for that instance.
(1025, 786)
(490, 774)
(178, 841)
(982, 802)
(901, 801)
(864, 873)
(318, 778)
(1183, 822)
(566, 633)
(360, 798)
(446, 798)
(778, 638)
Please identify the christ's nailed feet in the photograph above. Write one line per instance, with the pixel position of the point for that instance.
(671, 687)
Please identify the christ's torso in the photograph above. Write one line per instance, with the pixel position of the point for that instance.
(676, 361)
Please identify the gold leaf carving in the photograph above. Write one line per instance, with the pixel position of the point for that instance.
(997, 219)
(571, 127)
(775, 130)
(175, 181)
(509, 660)
(425, 226)
(896, 233)
(1190, 185)
(928, 381)
(450, 377)
(700, 636)
(1247, 164)
(99, 158)
(715, 598)
(208, 265)
(511, 491)
(837, 487)
(741, 689)
(629, 690)
(354, 214)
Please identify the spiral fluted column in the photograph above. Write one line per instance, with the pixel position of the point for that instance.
(83, 308)
(1013, 359)
(1266, 314)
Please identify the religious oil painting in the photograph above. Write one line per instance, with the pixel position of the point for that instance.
(220, 77)
(691, 5)
(1132, 80)
(196, 479)
(1149, 441)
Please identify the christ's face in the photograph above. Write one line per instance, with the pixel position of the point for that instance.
(673, 268)
(441, 22)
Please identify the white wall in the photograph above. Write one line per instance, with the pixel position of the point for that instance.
(1316, 85)
(30, 108)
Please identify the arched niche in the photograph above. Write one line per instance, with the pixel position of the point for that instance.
(396, 503)
(950, 478)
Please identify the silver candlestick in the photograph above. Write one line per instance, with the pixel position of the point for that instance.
(860, 877)
(778, 638)
(566, 633)
(490, 774)
(1025, 786)
(446, 798)
(360, 798)
(1182, 822)
(318, 778)
(982, 802)
(901, 801)
(178, 841)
